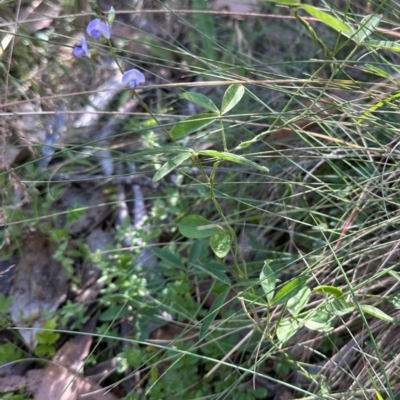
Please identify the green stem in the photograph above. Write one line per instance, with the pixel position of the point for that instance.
(114, 56)
(223, 134)
(144, 105)
(235, 250)
(141, 102)
(312, 33)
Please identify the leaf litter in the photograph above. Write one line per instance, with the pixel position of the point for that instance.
(40, 283)
(39, 286)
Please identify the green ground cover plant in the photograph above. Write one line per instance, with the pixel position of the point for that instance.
(199, 200)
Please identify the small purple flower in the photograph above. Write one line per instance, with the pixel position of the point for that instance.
(82, 50)
(96, 28)
(133, 78)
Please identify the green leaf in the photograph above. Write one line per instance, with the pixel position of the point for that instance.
(10, 352)
(114, 312)
(259, 393)
(395, 300)
(192, 124)
(200, 100)
(161, 150)
(171, 165)
(168, 256)
(285, 2)
(197, 227)
(290, 290)
(332, 290)
(212, 313)
(383, 45)
(232, 96)
(327, 19)
(252, 299)
(47, 337)
(298, 302)
(339, 307)
(5, 303)
(367, 27)
(222, 155)
(220, 244)
(45, 350)
(268, 280)
(319, 321)
(216, 271)
(376, 312)
(286, 329)
(195, 251)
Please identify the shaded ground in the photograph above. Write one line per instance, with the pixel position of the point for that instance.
(91, 243)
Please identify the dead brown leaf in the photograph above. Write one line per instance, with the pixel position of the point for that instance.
(21, 133)
(40, 15)
(61, 384)
(61, 378)
(40, 285)
(12, 383)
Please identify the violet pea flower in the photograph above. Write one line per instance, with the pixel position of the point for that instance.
(133, 78)
(98, 28)
(82, 50)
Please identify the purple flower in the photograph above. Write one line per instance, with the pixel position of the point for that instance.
(96, 28)
(82, 50)
(133, 78)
